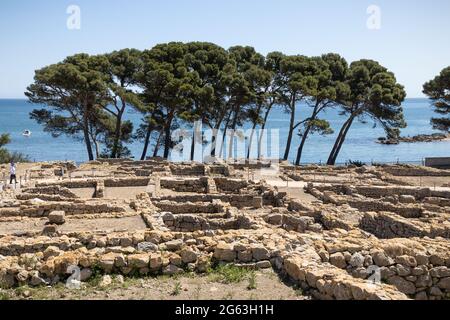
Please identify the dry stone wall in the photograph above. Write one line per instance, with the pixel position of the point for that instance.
(185, 185)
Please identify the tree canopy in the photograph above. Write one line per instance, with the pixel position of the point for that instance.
(438, 90)
(176, 85)
(375, 94)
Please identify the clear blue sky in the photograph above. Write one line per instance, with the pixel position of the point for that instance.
(414, 39)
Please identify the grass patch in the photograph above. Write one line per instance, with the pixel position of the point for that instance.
(24, 290)
(299, 291)
(177, 290)
(197, 292)
(5, 296)
(96, 277)
(252, 281)
(228, 274)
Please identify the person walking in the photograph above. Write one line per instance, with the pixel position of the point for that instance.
(12, 171)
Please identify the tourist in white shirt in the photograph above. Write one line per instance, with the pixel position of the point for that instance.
(12, 171)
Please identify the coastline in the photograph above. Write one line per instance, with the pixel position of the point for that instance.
(420, 138)
(361, 146)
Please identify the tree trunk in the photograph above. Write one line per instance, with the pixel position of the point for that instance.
(167, 137)
(97, 148)
(252, 134)
(157, 145)
(302, 144)
(117, 134)
(214, 142)
(233, 127)
(147, 141)
(194, 135)
(88, 145)
(93, 137)
(291, 132)
(222, 151)
(339, 141)
(87, 140)
(251, 140)
(336, 143)
(214, 137)
(313, 117)
(193, 146)
(263, 127)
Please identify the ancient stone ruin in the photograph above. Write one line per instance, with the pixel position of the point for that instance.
(338, 232)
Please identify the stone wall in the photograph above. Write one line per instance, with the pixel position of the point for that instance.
(188, 169)
(192, 223)
(415, 171)
(386, 225)
(185, 185)
(223, 170)
(43, 197)
(51, 190)
(377, 192)
(416, 269)
(252, 165)
(110, 161)
(407, 211)
(127, 182)
(326, 282)
(189, 207)
(238, 201)
(226, 185)
(418, 193)
(70, 208)
(71, 184)
(92, 183)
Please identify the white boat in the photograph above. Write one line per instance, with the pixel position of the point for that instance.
(27, 133)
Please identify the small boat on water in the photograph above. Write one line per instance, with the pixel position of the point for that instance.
(27, 133)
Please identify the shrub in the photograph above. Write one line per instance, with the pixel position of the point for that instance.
(6, 156)
(356, 163)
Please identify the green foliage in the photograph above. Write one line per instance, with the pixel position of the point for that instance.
(75, 90)
(228, 273)
(375, 94)
(175, 84)
(299, 291)
(356, 163)
(81, 94)
(252, 281)
(438, 90)
(320, 126)
(6, 156)
(4, 140)
(96, 277)
(4, 296)
(177, 289)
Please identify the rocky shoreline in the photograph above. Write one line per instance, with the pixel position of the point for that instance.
(419, 138)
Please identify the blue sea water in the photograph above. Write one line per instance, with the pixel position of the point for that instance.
(360, 144)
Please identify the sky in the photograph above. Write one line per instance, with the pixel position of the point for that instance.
(409, 37)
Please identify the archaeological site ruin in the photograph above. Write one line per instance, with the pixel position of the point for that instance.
(346, 233)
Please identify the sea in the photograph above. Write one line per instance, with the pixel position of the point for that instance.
(360, 145)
